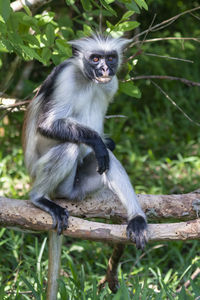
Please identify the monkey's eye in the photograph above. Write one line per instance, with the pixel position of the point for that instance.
(110, 58)
(95, 59)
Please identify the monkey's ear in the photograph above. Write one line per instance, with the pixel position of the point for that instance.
(75, 51)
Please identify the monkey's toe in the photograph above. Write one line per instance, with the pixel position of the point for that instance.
(137, 231)
(60, 217)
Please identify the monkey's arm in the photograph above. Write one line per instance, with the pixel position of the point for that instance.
(67, 130)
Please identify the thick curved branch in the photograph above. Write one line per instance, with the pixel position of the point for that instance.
(22, 214)
(106, 205)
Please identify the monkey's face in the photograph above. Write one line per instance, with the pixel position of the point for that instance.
(100, 66)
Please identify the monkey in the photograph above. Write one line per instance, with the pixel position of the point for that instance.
(66, 153)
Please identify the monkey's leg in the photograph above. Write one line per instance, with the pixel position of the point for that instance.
(58, 163)
(88, 180)
(118, 181)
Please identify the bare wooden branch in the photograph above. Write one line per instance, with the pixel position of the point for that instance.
(167, 39)
(22, 214)
(18, 4)
(106, 205)
(14, 104)
(169, 57)
(163, 23)
(183, 80)
(176, 105)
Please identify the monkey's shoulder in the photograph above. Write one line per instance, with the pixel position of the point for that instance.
(48, 85)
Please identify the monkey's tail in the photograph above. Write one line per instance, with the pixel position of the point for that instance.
(55, 245)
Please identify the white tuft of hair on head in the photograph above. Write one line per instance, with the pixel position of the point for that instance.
(100, 42)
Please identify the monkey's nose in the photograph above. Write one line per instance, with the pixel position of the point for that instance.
(105, 68)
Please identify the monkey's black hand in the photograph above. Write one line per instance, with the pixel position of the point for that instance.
(60, 217)
(110, 144)
(102, 157)
(137, 231)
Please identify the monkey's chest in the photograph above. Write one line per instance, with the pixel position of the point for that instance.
(91, 112)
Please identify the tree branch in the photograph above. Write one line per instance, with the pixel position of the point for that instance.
(106, 205)
(13, 105)
(23, 214)
(167, 39)
(163, 24)
(184, 80)
(32, 4)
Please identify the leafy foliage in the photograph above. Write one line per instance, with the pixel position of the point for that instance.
(157, 145)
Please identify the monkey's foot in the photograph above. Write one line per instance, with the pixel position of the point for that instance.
(60, 219)
(59, 214)
(137, 231)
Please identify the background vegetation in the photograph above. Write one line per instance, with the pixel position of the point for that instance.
(158, 146)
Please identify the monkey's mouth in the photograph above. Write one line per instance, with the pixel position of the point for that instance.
(103, 79)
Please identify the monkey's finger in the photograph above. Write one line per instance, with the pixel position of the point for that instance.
(62, 221)
(140, 241)
(137, 238)
(107, 162)
(101, 166)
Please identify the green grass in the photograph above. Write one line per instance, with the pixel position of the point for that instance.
(155, 274)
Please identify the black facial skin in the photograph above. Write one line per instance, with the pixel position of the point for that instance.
(100, 66)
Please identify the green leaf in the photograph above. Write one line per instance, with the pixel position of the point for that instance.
(127, 15)
(132, 6)
(63, 47)
(29, 53)
(87, 30)
(5, 46)
(46, 54)
(27, 10)
(109, 1)
(50, 34)
(108, 7)
(29, 21)
(86, 5)
(142, 4)
(70, 2)
(45, 18)
(130, 89)
(127, 26)
(5, 10)
(31, 39)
